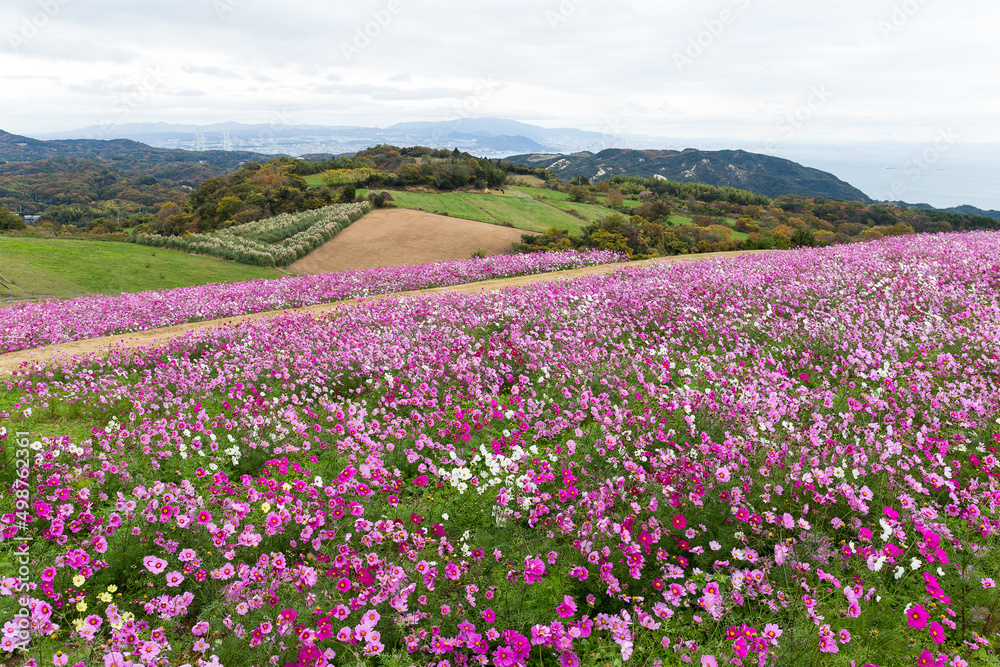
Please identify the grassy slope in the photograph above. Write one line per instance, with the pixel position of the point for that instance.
(454, 204)
(527, 214)
(75, 266)
(547, 208)
(544, 193)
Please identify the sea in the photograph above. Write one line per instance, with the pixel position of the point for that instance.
(942, 173)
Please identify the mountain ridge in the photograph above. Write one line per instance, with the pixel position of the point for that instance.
(762, 174)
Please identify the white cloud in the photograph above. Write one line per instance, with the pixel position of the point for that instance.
(894, 72)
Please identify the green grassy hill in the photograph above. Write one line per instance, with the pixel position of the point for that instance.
(69, 267)
(527, 214)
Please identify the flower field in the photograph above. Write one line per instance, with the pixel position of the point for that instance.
(276, 241)
(780, 459)
(41, 323)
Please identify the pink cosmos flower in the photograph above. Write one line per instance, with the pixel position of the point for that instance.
(567, 608)
(175, 578)
(154, 564)
(421, 480)
(534, 570)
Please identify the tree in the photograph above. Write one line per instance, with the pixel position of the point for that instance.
(9, 221)
(348, 194)
(227, 208)
(579, 193)
(803, 236)
(615, 198)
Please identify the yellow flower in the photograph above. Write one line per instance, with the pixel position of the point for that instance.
(265, 506)
(78, 580)
(81, 606)
(104, 597)
(112, 588)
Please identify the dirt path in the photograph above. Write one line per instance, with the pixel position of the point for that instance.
(10, 362)
(400, 237)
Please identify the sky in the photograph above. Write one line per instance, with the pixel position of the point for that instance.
(768, 73)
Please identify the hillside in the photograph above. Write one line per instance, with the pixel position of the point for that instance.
(761, 174)
(72, 267)
(181, 166)
(958, 210)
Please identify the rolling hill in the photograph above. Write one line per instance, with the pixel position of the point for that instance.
(761, 174)
(179, 166)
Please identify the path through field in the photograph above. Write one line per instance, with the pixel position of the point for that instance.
(10, 362)
(401, 237)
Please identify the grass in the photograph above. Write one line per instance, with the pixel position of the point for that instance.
(591, 212)
(544, 193)
(314, 181)
(454, 204)
(526, 214)
(67, 267)
(523, 179)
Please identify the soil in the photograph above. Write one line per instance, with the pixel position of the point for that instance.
(10, 362)
(400, 237)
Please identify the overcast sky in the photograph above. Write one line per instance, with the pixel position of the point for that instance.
(780, 70)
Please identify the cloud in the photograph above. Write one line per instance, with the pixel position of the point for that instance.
(583, 63)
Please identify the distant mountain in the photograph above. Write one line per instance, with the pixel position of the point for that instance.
(126, 154)
(762, 174)
(959, 210)
(490, 137)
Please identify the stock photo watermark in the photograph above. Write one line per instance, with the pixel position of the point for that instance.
(563, 12)
(225, 7)
(714, 29)
(32, 25)
(21, 558)
(279, 118)
(467, 107)
(126, 103)
(364, 35)
(920, 163)
(793, 121)
(899, 17)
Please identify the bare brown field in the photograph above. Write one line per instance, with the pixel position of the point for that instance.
(401, 237)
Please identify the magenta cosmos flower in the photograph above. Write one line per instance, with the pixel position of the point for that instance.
(917, 617)
(567, 608)
(937, 632)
